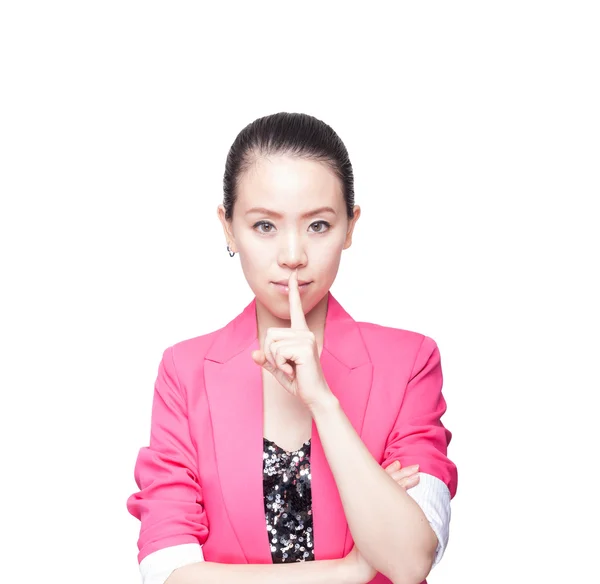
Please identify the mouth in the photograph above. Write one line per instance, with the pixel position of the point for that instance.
(285, 282)
(284, 287)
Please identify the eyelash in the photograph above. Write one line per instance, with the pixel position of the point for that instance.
(328, 225)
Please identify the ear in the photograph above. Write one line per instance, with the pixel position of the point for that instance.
(227, 230)
(351, 224)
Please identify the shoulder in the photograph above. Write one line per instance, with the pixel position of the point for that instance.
(195, 346)
(387, 342)
(188, 353)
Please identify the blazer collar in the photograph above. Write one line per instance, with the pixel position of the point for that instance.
(342, 337)
(233, 383)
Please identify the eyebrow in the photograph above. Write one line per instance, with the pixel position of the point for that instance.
(265, 211)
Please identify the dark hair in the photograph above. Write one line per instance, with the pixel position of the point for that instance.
(291, 134)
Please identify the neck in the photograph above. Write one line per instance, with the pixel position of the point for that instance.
(315, 319)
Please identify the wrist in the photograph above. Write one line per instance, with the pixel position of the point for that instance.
(326, 404)
(346, 572)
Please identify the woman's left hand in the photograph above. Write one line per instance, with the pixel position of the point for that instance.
(291, 355)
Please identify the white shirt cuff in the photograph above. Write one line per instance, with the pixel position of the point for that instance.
(433, 496)
(156, 567)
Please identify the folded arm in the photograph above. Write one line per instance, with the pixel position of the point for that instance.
(389, 527)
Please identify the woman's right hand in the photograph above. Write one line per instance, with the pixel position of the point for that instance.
(406, 477)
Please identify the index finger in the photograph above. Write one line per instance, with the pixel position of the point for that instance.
(296, 311)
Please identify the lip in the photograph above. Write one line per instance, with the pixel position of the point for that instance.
(285, 282)
(285, 290)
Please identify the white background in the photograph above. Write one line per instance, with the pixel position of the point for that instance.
(474, 132)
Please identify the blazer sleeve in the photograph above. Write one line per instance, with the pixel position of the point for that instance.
(169, 502)
(419, 437)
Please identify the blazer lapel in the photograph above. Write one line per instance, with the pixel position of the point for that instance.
(234, 391)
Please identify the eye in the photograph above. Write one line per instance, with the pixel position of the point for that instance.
(327, 225)
(262, 223)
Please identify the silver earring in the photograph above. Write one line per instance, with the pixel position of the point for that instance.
(231, 253)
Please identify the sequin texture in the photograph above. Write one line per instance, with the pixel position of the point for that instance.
(288, 502)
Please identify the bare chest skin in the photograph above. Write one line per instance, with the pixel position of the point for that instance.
(286, 420)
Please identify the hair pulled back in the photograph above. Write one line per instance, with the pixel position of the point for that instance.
(293, 134)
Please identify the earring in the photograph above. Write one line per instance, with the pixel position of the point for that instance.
(231, 253)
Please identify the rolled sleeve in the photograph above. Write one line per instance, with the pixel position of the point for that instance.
(169, 502)
(419, 437)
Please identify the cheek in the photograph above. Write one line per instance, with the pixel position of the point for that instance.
(327, 258)
(255, 265)
(324, 269)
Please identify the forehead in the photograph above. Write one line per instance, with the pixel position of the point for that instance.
(288, 184)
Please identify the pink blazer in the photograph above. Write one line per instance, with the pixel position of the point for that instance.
(201, 480)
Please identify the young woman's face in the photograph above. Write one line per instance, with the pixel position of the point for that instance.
(291, 230)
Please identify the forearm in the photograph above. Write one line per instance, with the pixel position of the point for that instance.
(388, 527)
(314, 572)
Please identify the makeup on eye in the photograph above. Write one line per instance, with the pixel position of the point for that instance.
(326, 223)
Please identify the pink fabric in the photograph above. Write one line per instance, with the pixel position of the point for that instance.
(200, 478)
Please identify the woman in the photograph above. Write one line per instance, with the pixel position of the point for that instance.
(273, 439)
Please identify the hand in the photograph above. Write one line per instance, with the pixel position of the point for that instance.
(291, 355)
(407, 477)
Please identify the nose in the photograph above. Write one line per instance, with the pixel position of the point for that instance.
(292, 253)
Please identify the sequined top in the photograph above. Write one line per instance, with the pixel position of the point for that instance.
(288, 502)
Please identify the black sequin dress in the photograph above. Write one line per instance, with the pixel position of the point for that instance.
(288, 502)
